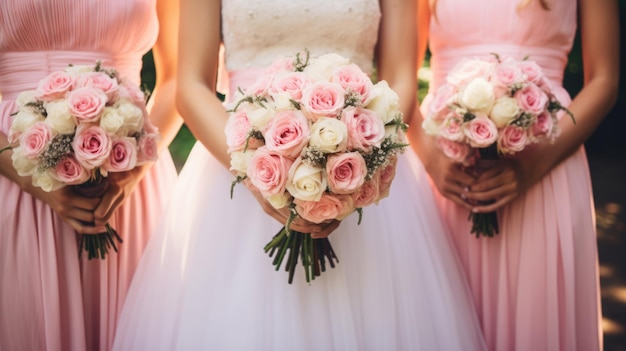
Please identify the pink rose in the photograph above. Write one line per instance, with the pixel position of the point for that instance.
(70, 172)
(505, 76)
(269, 171)
(353, 79)
(287, 133)
(531, 99)
(531, 70)
(365, 129)
(237, 129)
(347, 205)
(147, 148)
(468, 70)
(456, 151)
(512, 139)
(91, 145)
(99, 80)
(543, 126)
(345, 172)
(261, 86)
(368, 193)
(292, 83)
(123, 156)
(322, 99)
(86, 104)
(328, 207)
(481, 131)
(385, 178)
(35, 139)
(452, 128)
(444, 96)
(54, 86)
(132, 93)
(280, 64)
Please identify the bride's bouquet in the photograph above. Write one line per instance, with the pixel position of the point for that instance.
(489, 109)
(76, 127)
(315, 135)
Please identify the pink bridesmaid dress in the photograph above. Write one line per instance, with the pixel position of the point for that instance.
(536, 284)
(49, 299)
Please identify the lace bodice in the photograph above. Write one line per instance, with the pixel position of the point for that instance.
(257, 31)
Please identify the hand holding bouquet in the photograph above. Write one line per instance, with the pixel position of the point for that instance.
(489, 109)
(316, 136)
(78, 125)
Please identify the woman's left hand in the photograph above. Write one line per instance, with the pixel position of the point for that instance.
(121, 186)
(498, 185)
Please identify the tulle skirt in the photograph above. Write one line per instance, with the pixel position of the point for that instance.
(205, 283)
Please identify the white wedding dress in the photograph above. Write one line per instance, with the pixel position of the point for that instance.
(205, 283)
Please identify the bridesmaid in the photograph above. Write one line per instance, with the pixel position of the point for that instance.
(51, 300)
(535, 284)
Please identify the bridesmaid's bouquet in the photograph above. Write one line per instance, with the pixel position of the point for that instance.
(78, 125)
(315, 135)
(489, 109)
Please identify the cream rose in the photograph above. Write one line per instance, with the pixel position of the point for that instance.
(329, 135)
(46, 181)
(386, 103)
(259, 116)
(239, 161)
(111, 121)
(132, 114)
(305, 182)
(25, 97)
(322, 67)
(504, 111)
(279, 201)
(23, 120)
(478, 95)
(23, 165)
(430, 126)
(59, 117)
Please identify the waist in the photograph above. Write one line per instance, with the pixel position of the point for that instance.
(21, 71)
(551, 60)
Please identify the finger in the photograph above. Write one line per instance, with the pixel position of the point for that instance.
(458, 176)
(85, 203)
(504, 178)
(106, 209)
(494, 206)
(326, 231)
(83, 228)
(490, 173)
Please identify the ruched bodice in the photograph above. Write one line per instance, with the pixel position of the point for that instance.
(120, 26)
(545, 36)
(257, 31)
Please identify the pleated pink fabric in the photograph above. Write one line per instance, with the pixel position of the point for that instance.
(49, 299)
(536, 284)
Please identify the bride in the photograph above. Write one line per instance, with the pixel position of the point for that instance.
(205, 282)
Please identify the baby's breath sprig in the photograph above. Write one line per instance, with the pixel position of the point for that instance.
(374, 160)
(515, 87)
(398, 122)
(352, 98)
(300, 65)
(236, 181)
(253, 134)
(108, 71)
(524, 120)
(37, 107)
(314, 157)
(60, 146)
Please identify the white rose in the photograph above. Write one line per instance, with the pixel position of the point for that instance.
(239, 161)
(305, 182)
(329, 135)
(78, 69)
(23, 120)
(322, 68)
(279, 201)
(504, 111)
(282, 101)
(430, 126)
(133, 115)
(23, 165)
(478, 95)
(468, 70)
(46, 182)
(111, 121)
(386, 103)
(259, 116)
(59, 117)
(25, 97)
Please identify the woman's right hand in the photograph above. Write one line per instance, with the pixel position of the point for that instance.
(450, 178)
(299, 224)
(76, 210)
